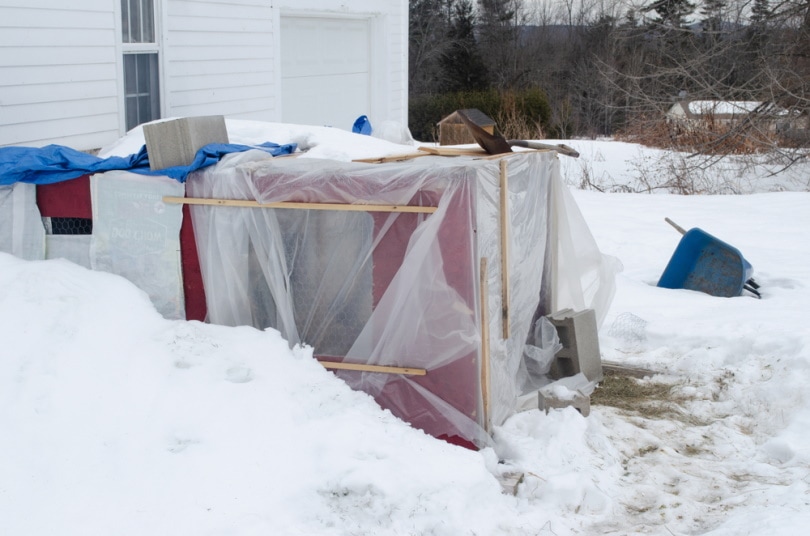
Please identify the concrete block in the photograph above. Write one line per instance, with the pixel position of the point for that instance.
(176, 142)
(510, 482)
(550, 399)
(580, 339)
(527, 402)
(571, 391)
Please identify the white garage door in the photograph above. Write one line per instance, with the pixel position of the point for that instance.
(325, 65)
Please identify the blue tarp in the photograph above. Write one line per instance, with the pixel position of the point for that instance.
(56, 163)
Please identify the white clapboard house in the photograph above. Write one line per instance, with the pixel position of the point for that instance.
(84, 72)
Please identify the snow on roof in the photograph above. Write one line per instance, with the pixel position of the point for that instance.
(714, 107)
(704, 107)
(474, 114)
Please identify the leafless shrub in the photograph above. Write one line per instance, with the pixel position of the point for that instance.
(708, 135)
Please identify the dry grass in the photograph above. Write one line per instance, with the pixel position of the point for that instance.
(706, 137)
(513, 121)
(645, 398)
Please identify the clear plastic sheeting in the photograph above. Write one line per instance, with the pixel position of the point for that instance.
(583, 278)
(136, 235)
(538, 355)
(383, 288)
(74, 248)
(21, 231)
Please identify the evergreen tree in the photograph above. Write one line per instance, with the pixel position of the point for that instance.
(671, 13)
(758, 37)
(499, 27)
(630, 19)
(496, 12)
(713, 11)
(760, 12)
(462, 65)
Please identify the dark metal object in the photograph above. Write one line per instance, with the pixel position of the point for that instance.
(497, 144)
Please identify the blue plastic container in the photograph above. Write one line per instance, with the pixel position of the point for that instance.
(702, 262)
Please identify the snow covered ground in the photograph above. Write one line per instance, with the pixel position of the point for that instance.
(114, 420)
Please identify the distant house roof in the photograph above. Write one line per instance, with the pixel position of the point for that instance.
(477, 116)
(726, 109)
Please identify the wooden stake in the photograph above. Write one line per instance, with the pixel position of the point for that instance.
(389, 159)
(374, 368)
(246, 203)
(485, 377)
(505, 246)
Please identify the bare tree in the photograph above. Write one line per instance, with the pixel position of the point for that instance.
(427, 44)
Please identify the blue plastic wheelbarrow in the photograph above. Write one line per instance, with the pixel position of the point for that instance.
(702, 262)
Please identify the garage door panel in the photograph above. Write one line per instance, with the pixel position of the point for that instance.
(326, 100)
(325, 70)
(322, 46)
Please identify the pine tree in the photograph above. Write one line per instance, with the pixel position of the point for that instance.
(713, 11)
(760, 12)
(671, 13)
(499, 30)
(462, 64)
(758, 36)
(496, 12)
(630, 19)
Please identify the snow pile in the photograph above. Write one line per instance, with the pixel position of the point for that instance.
(313, 142)
(611, 166)
(116, 421)
(732, 450)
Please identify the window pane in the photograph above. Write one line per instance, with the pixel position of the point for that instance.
(144, 109)
(143, 73)
(132, 112)
(125, 37)
(142, 86)
(130, 74)
(148, 22)
(137, 21)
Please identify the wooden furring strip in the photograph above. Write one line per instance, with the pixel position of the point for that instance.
(485, 375)
(504, 187)
(389, 159)
(407, 371)
(453, 151)
(246, 203)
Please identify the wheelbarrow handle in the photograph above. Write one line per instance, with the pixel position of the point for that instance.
(677, 227)
(560, 148)
(753, 290)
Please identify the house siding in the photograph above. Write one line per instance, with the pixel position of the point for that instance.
(399, 70)
(58, 73)
(219, 59)
(61, 77)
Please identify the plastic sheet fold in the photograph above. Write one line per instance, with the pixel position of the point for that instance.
(365, 286)
(387, 288)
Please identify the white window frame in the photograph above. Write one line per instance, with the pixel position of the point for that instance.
(159, 13)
